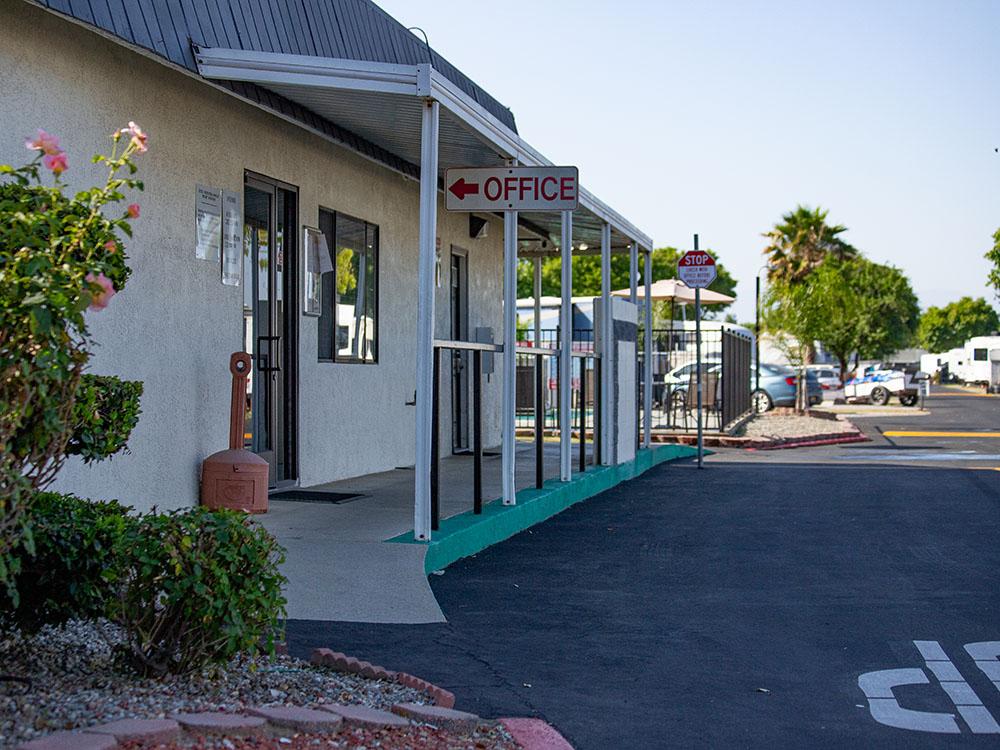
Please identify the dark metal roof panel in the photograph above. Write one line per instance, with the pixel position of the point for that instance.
(351, 29)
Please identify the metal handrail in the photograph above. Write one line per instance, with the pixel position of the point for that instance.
(586, 355)
(536, 350)
(475, 346)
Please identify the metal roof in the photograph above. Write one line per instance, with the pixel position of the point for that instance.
(369, 107)
(345, 29)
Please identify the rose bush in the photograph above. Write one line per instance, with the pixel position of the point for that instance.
(60, 254)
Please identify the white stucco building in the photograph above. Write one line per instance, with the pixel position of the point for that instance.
(314, 121)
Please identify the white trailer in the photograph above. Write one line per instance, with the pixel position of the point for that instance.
(980, 359)
(878, 385)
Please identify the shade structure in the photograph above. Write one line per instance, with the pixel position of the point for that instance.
(675, 290)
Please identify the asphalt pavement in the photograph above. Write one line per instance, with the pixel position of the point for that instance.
(740, 605)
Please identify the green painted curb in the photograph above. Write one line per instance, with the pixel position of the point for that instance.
(466, 534)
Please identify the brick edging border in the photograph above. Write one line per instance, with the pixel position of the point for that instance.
(325, 657)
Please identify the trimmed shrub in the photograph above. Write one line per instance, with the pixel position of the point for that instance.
(197, 587)
(71, 573)
(105, 413)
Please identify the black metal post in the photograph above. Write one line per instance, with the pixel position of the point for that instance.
(539, 424)
(583, 414)
(598, 408)
(477, 431)
(435, 448)
(756, 335)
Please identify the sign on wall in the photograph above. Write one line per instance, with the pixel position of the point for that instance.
(512, 189)
(696, 268)
(208, 223)
(232, 238)
(316, 253)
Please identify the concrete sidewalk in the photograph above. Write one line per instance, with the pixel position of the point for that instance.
(339, 566)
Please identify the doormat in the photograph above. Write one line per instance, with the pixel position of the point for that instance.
(315, 496)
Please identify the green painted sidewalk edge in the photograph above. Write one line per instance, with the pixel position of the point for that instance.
(466, 534)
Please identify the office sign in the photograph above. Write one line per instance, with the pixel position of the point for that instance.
(696, 268)
(512, 189)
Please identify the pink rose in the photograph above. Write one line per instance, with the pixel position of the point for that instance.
(56, 162)
(44, 142)
(133, 210)
(100, 299)
(137, 136)
(111, 246)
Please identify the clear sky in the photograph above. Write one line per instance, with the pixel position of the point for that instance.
(717, 117)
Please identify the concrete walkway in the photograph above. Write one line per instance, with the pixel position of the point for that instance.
(339, 565)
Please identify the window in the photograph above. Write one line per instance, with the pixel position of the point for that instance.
(980, 355)
(348, 323)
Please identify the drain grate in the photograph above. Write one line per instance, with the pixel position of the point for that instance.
(315, 496)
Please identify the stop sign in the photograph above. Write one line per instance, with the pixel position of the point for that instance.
(696, 268)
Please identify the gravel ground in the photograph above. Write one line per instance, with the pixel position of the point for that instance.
(768, 426)
(76, 683)
(487, 737)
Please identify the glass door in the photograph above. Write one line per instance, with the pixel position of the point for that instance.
(268, 336)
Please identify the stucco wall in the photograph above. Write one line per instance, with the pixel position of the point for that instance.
(175, 324)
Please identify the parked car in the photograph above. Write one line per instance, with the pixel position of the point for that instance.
(828, 377)
(679, 378)
(777, 387)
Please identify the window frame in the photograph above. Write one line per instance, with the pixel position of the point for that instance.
(377, 232)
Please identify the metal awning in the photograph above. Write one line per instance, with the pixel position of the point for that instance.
(382, 103)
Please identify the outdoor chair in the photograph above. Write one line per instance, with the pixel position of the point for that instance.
(687, 402)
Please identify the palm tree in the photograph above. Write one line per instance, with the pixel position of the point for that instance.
(800, 242)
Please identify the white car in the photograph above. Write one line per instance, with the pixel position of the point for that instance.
(828, 377)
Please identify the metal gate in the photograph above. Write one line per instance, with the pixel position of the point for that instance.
(736, 349)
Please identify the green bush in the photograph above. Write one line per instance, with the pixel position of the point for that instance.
(105, 413)
(71, 573)
(61, 253)
(196, 587)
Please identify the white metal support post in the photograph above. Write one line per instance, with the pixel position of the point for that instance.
(697, 359)
(509, 353)
(566, 350)
(607, 331)
(425, 318)
(647, 360)
(633, 272)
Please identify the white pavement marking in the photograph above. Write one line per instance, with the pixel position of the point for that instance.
(868, 453)
(969, 705)
(986, 654)
(885, 709)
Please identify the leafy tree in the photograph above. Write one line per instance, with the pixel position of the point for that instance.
(948, 327)
(587, 276)
(851, 306)
(800, 242)
(993, 256)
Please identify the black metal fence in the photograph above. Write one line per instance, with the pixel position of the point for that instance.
(736, 371)
(726, 383)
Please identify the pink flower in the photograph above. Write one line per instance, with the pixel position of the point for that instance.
(56, 162)
(133, 210)
(100, 299)
(44, 142)
(138, 137)
(111, 246)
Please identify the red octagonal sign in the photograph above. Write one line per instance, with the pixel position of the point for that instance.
(696, 268)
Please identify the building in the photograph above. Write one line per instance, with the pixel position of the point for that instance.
(293, 209)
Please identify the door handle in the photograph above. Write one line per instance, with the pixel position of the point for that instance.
(266, 356)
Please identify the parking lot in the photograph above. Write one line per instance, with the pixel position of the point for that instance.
(831, 597)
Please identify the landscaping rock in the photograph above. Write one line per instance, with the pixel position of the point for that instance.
(299, 719)
(144, 730)
(212, 723)
(367, 718)
(71, 741)
(458, 721)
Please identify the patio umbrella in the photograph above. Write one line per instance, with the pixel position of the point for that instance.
(676, 290)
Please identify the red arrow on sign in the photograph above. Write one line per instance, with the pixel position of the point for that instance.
(461, 188)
